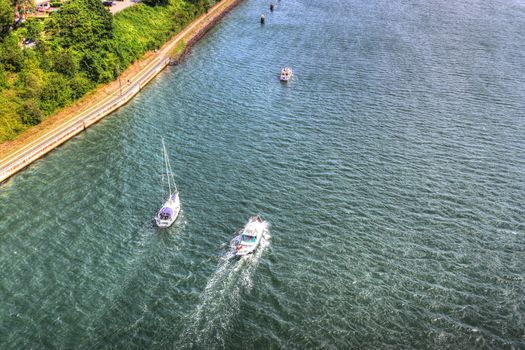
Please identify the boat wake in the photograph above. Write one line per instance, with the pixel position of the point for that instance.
(219, 302)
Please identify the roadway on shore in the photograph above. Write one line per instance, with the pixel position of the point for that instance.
(122, 4)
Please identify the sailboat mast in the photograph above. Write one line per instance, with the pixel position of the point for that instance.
(172, 178)
(167, 164)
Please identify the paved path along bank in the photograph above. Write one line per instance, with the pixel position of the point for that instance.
(20, 158)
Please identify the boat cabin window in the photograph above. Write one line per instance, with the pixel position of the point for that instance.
(248, 239)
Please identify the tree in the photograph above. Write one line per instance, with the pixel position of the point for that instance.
(45, 52)
(29, 82)
(66, 62)
(56, 93)
(11, 55)
(34, 28)
(100, 66)
(83, 24)
(6, 17)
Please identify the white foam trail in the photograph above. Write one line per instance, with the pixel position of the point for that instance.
(253, 261)
(221, 298)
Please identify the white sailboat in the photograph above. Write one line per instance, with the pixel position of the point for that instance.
(171, 208)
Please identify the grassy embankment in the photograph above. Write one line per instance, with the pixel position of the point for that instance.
(69, 61)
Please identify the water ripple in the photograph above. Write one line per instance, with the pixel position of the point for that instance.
(391, 169)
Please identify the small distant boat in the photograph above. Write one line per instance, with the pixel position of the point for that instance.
(171, 208)
(250, 236)
(286, 74)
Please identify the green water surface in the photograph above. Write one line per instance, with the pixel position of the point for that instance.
(391, 170)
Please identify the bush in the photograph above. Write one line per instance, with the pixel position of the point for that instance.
(80, 85)
(3, 78)
(56, 93)
(31, 112)
(10, 122)
(11, 56)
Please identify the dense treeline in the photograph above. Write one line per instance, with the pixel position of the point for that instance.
(47, 63)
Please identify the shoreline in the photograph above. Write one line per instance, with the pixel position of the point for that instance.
(41, 139)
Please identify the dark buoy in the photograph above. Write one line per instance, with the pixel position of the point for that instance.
(262, 19)
(271, 7)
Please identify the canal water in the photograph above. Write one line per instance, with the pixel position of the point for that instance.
(391, 170)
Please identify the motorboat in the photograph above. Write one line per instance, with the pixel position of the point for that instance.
(169, 212)
(286, 74)
(250, 236)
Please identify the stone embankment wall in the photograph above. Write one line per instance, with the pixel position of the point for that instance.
(195, 37)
